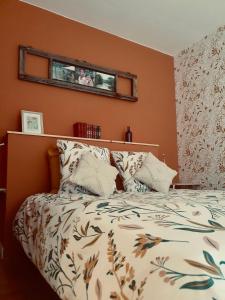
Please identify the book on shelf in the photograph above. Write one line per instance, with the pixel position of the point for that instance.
(81, 129)
(89, 132)
(94, 131)
(98, 132)
(77, 129)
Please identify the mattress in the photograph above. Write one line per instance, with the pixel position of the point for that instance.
(128, 246)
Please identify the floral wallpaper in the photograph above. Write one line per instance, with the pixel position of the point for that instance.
(200, 105)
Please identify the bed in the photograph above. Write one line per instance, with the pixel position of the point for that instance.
(128, 246)
(145, 245)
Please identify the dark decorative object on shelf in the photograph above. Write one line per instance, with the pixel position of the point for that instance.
(77, 75)
(85, 130)
(128, 135)
(98, 132)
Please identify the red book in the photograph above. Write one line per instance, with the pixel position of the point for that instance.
(98, 132)
(76, 129)
(81, 129)
(84, 130)
(89, 131)
(79, 132)
(92, 131)
(95, 131)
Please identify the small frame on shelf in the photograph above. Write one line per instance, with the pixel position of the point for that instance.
(77, 75)
(32, 122)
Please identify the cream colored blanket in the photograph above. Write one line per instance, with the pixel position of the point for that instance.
(131, 246)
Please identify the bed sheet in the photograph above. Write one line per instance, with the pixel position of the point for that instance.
(130, 246)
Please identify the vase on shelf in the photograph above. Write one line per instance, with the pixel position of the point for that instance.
(128, 135)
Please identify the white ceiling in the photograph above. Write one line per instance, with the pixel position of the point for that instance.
(165, 25)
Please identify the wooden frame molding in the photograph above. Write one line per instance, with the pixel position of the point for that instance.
(49, 80)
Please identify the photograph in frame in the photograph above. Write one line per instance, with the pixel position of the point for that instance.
(32, 122)
(83, 76)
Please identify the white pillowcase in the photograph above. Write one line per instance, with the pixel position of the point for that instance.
(155, 174)
(95, 175)
(127, 163)
(70, 154)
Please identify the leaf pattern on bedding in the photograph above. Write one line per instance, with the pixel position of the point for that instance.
(125, 280)
(211, 242)
(171, 276)
(90, 264)
(128, 163)
(193, 226)
(128, 246)
(88, 231)
(70, 153)
(147, 241)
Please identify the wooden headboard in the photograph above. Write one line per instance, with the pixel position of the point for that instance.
(54, 169)
(28, 171)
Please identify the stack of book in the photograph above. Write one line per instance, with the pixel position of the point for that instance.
(85, 130)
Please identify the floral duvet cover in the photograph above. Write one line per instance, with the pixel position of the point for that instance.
(131, 246)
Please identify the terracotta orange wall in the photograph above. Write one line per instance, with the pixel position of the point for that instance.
(152, 118)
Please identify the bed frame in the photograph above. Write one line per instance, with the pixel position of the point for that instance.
(28, 170)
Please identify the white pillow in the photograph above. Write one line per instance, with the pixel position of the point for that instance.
(155, 174)
(70, 154)
(127, 163)
(95, 175)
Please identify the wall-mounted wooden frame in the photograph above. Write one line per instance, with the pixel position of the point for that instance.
(66, 73)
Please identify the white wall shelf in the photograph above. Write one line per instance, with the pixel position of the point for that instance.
(80, 138)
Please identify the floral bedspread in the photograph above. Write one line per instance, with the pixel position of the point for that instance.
(131, 246)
